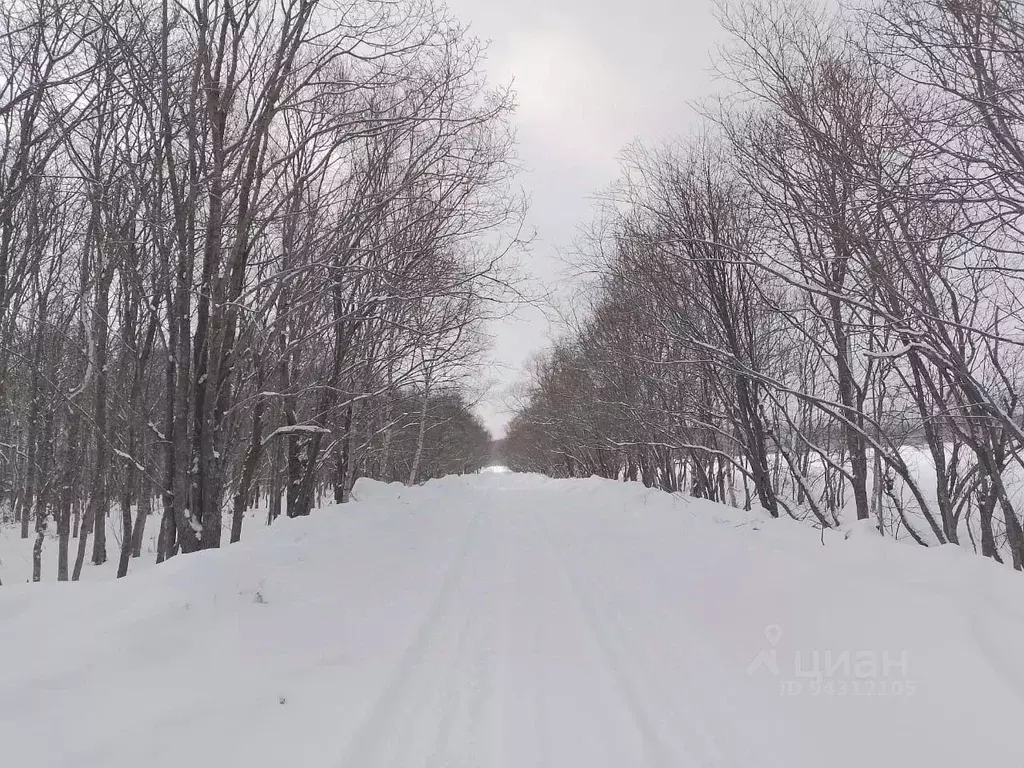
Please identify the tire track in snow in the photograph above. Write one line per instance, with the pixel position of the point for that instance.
(371, 746)
(625, 588)
(654, 706)
(656, 752)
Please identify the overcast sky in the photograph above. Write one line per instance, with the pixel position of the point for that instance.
(591, 76)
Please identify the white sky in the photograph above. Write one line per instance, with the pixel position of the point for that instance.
(591, 76)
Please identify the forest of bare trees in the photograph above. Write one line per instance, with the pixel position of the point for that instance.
(246, 248)
(814, 305)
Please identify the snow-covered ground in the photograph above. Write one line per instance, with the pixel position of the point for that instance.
(511, 620)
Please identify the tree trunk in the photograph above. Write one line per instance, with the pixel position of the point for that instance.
(420, 435)
(249, 465)
(99, 497)
(126, 532)
(274, 490)
(344, 460)
(144, 511)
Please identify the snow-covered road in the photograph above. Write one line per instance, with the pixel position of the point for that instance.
(546, 644)
(516, 621)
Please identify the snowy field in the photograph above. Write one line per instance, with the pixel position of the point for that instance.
(511, 620)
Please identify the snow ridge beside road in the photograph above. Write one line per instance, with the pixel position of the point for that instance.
(514, 620)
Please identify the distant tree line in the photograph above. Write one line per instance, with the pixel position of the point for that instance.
(245, 250)
(816, 305)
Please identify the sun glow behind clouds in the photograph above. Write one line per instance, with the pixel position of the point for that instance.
(569, 95)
